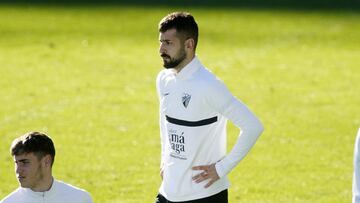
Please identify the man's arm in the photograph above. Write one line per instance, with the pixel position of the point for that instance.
(250, 129)
(163, 140)
(161, 121)
(87, 198)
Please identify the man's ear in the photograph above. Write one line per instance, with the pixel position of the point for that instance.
(47, 160)
(190, 43)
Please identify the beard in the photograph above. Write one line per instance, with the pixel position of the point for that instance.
(175, 61)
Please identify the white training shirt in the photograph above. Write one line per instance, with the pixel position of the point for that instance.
(194, 108)
(356, 176)
(59, 192)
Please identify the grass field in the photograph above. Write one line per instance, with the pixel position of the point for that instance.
(86, 76)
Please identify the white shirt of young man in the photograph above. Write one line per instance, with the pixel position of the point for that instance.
(356, 176)
(194, 108)
(59, 192)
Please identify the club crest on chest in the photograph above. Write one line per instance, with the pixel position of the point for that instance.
(186, 99)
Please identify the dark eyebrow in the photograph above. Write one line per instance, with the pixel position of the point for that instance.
(165, 40)
(22, 160)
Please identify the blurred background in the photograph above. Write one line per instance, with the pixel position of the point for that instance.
(84, 72)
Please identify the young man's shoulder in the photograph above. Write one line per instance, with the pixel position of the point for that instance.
(69, 189)
(14, 197)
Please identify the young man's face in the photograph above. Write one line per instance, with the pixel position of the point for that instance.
(172, 50)
(29, 170)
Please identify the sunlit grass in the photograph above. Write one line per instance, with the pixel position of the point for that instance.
(85, 75)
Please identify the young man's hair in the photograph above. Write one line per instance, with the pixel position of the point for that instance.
(184, 24)
(34, 142)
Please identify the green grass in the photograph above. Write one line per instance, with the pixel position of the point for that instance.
(86, 76)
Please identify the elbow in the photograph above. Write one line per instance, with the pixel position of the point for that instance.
(254, 128)
(259, 127)
(262, 128)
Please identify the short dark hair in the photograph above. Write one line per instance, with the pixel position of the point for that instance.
(184, 24)
(36, 142)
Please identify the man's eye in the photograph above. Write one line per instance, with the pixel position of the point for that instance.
(24, 163)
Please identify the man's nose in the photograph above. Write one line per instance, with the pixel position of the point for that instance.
(162, 50)
(18, 169)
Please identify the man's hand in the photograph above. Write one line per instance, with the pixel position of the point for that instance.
(208, 172)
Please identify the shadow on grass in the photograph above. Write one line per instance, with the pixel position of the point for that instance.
(353, 5)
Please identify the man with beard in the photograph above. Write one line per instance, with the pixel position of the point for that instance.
(34, 155)
(194, 108)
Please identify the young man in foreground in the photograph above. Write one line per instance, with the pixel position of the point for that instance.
(34, 155)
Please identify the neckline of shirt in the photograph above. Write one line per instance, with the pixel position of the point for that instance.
(189, 69)
(48, 193)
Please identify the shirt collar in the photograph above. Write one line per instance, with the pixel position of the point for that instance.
(45, 194)
(189, 69)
